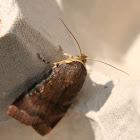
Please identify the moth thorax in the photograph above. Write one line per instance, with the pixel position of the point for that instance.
(82, 57)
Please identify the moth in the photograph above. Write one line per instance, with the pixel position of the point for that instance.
(45, 103)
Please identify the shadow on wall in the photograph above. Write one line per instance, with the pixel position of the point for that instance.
(20, 66)
(93, 96)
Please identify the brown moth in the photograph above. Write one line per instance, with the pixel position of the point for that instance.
(44, 104)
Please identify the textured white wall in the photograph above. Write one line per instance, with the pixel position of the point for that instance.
(108, 105)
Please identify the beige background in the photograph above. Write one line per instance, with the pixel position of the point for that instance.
(107, 107)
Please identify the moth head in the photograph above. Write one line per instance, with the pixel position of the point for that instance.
(82, 57)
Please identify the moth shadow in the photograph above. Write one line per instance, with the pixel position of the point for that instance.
(93, 96)
(73, 126)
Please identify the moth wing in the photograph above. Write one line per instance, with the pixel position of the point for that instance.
(44, 104)
(38, 108)
(42, 115)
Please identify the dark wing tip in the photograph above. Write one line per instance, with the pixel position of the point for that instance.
(22, 115)
(42, 128)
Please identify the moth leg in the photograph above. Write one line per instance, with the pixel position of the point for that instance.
(42, 59)
(66, 54)
(60, 48)
(54, 63)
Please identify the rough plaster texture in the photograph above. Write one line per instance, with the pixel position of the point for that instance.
(108, 106)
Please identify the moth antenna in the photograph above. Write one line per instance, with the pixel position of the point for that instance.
(71, 34)
(108, 65)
